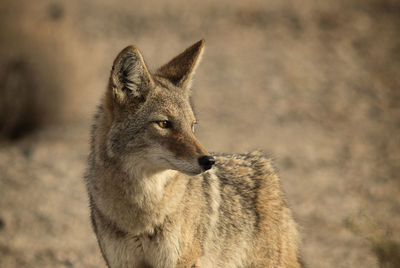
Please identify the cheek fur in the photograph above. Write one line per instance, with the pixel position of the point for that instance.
(127, 139)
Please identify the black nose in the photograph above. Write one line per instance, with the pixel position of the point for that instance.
(206, 162)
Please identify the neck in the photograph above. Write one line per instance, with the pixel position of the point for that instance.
(147, 185)
(145, 197)
(150, 187)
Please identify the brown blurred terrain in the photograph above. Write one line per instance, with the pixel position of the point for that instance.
(316, 84)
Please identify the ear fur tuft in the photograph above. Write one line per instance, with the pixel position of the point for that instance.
(130, 77)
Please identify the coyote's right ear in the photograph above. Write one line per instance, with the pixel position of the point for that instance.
(180, 69)
(130, 79)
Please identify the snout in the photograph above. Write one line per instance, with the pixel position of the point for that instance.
(206, 162)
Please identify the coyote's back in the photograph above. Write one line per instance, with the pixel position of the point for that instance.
(159, 199)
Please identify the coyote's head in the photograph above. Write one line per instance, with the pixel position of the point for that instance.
(149, 118)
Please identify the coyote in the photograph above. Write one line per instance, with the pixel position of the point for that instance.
(158, 198)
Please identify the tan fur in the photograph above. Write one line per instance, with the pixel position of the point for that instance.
(151, 202)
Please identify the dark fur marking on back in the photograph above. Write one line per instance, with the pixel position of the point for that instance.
(241, 187)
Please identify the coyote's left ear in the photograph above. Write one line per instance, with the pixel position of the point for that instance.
(130, 78)
(180, 69)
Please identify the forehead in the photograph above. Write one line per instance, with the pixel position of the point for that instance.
(170, 101)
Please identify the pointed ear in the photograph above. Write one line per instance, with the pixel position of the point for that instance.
(180, 69)
(130, 79)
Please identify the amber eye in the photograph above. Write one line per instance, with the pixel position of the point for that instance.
(164, 124)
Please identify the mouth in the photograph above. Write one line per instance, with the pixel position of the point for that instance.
(186, 171)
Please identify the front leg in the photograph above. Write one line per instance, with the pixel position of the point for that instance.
(119, 249)
(171, 247)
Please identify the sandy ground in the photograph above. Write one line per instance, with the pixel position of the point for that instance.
(314, 84)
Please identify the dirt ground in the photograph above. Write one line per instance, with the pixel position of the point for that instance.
(315, 84)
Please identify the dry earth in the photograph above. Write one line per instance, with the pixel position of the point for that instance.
(316, 84)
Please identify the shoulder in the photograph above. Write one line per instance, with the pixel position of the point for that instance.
(254, 165)
(255, 159)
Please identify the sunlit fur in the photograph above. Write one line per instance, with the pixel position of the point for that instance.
(152, 204)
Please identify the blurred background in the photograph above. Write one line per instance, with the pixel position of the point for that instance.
(316, 84)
